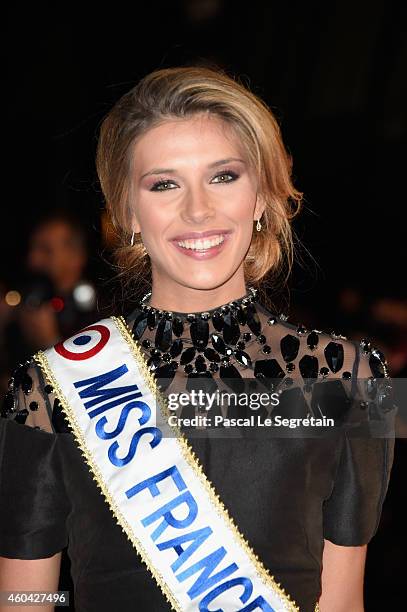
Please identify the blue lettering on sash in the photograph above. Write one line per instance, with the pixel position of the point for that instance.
(225, 586)
(95, 394)
(94, 390)
(205, 581)
(197, 538)
(151, 483)
(168, 518)
(108, 435)
(119, 462)
(258, 604)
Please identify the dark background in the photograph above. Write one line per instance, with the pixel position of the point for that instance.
(333, 73)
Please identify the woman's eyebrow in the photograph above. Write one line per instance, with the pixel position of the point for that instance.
(220, 162)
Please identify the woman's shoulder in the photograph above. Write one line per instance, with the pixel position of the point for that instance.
(32, 476)
(319, 353)
(337, 374)
(30, 400)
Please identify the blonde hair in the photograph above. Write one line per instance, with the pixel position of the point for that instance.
(181, 92)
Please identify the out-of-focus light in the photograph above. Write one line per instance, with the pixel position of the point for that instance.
(84, 295)
(57, 304)
(12, 298)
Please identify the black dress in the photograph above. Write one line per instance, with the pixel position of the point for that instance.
(285, 492)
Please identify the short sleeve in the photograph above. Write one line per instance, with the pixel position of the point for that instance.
(351, 514)
(34, 506)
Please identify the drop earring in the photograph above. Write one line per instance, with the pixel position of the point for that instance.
(132, 240)
(258, 225)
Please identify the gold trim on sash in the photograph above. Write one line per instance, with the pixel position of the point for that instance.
(189, 455)
(42, 361)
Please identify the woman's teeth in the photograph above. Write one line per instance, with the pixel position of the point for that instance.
(202, 244)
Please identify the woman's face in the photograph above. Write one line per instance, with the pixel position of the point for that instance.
(192, 177)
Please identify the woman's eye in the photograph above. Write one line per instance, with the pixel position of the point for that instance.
(224, 177)
(232, 177)
(161, 186)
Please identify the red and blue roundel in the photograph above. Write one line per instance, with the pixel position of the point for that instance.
(85, 344)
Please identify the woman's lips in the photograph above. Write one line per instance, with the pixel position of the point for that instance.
(205, 253)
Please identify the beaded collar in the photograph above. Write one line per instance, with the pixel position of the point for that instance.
(197, 350)
(202, 351)
(248, 298)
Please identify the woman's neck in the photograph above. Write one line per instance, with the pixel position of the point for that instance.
(181, 298)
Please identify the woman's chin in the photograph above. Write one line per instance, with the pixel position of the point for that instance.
(201, 280)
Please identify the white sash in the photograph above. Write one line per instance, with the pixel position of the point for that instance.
(150, 477)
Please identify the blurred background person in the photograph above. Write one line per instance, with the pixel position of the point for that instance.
(56, 295)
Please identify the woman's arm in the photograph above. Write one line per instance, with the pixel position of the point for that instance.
(30, 575)
(342, 578)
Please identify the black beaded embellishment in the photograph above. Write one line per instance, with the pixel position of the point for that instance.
(377, 361)
(224, 348)
(20, 378)
(203, 352)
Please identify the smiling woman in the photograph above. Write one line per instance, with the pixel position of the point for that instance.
(221, 514)
(216, 150)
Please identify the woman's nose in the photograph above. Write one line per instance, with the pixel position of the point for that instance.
(197, 205)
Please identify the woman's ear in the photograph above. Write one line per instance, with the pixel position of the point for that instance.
(260, 207)
(135, 226)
